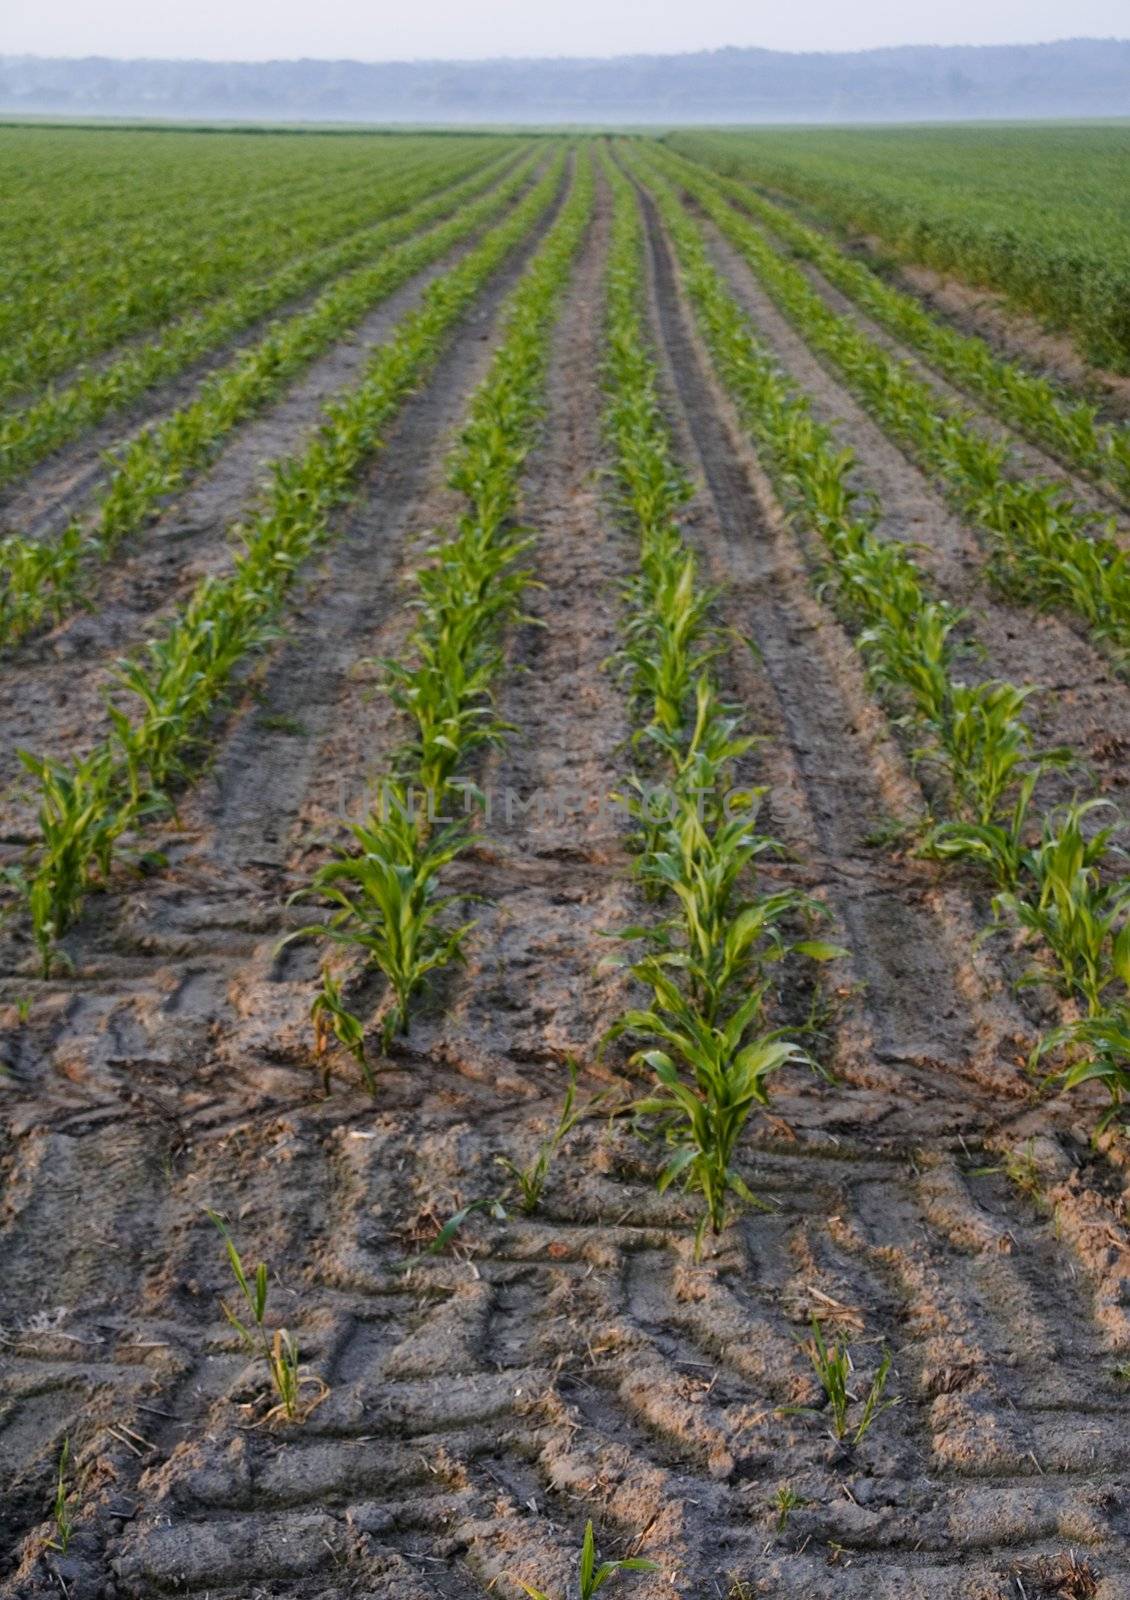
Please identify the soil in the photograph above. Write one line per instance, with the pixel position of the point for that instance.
(474, 1407)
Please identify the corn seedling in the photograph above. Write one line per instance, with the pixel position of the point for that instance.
(834, 1368)
(999, 847)
(61, 1511)
(466, 599)
(78, 825)
(279, 1351)
(1101, 1049)
(786, 1502)
(531, 1178)
(591, 1576)
(389, 905)
(331, 1016)
(985, 747)
(703, 1118)
(1083, 920)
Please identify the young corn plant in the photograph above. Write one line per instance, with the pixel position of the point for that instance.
(531, 1179)
(332, 1018)
(985, 747)
(39, 581)
(668, 638)
(389, 904)
(834, 1368)
(1099, 1048)
(61, 1514)
(703, 1118)
(466, 599)
(593, 1574)
(1083, 919)
(279, 1351)
(701, 858)
(1000, 846)
(79, 823)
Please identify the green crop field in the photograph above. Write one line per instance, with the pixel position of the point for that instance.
(564, 906)
(1040, 211)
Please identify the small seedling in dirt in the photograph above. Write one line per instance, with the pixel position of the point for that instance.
(23, 1009)
(279, 1352)
(592, 1577)
(488, 1203)
(60, 1511)
(787, 1501)
(453, 1224)
(531, 1179)
(331, 1016)
(281, 723)
(1021, 1170)
(1121, 1372)
(833, 1366)
(887, 832)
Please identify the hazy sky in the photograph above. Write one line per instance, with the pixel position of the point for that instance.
(393, 30)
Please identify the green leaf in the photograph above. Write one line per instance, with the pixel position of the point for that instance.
(819, 950)
(588, 1558)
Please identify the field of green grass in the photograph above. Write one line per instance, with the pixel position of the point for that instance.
(1038, 210)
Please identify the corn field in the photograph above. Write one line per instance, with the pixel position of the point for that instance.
(564, 910)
